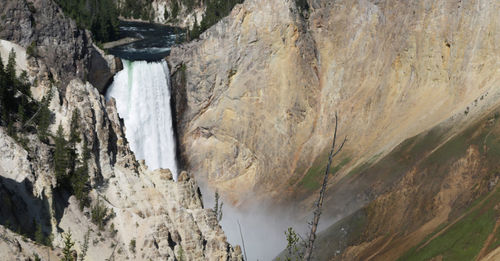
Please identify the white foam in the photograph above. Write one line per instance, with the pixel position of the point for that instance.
(142, 93)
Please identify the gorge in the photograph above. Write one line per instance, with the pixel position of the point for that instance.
(244, 104)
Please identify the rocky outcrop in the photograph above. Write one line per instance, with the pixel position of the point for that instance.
(164, 218)
(161, 11)
(62, 50)
(186, 18)
(258, 92)
(14, 246)
(150, 216)
(249, 96)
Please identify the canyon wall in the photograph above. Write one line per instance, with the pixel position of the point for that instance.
(257, 94)
(63, 50)
(149, 215)
(161, 11)
(415, 85)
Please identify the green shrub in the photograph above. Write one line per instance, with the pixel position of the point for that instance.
(100, 215)
(31, 50)
(132, 245)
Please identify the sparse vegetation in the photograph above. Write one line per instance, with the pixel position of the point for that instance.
(36, 257)
(215, 11)
(292, 247)
(132, 246)
(61, 160)
(137, 9)
(180, 254)
(100, 215)
(85, 246)
(31, 50)
(312, 179)
(69, 176)
(218, 206)
(68, 244)
(17, 106)
(464, 239)
(39, 236)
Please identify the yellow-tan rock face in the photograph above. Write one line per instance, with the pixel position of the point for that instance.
(258, 93)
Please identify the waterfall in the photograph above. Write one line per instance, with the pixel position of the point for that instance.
(142, 94)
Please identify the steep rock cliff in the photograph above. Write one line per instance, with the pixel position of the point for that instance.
(150, 215)
(257, 94)
(64, 50)
(162, 11)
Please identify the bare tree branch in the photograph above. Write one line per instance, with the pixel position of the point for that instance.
(242, 241)
(319, 203)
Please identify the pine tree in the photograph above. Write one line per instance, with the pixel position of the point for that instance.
(23, 84)
(80, 179)
(43, 118)
(61, 156)
(20, 113)
(11, 67)
(2, 89)
(174, 9)
(85, 246)
(39, 237)
(9, 86)
(68, 244)
(74, 138)
(74, 134)
(218, 207)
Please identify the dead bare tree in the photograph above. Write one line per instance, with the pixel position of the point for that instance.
(242, 241)
(319, 203)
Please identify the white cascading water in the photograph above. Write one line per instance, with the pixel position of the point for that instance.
(142, 94)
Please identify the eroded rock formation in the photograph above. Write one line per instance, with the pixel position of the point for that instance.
(257, 94)
(151, 216)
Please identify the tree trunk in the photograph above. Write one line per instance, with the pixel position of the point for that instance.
(319, 203)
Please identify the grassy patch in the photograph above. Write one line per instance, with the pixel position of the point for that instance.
(313, 178)
(453, 149)
(362, 167)
(463, 240)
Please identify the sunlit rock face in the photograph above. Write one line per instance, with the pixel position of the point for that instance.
(257, 94)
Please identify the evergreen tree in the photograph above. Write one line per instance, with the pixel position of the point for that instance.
(74, 138)
(2, 88)
(39, 237)
(80, 179)
(74, 134)
(11, 67)
(100, 17)
(43, 118)
(218, 207)
(85, 246)
(195, 32)
(9, 86)
(61, 157)
(23, 84)
(174, 9)
(68, 244)
(11, 131)
(20, 113)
